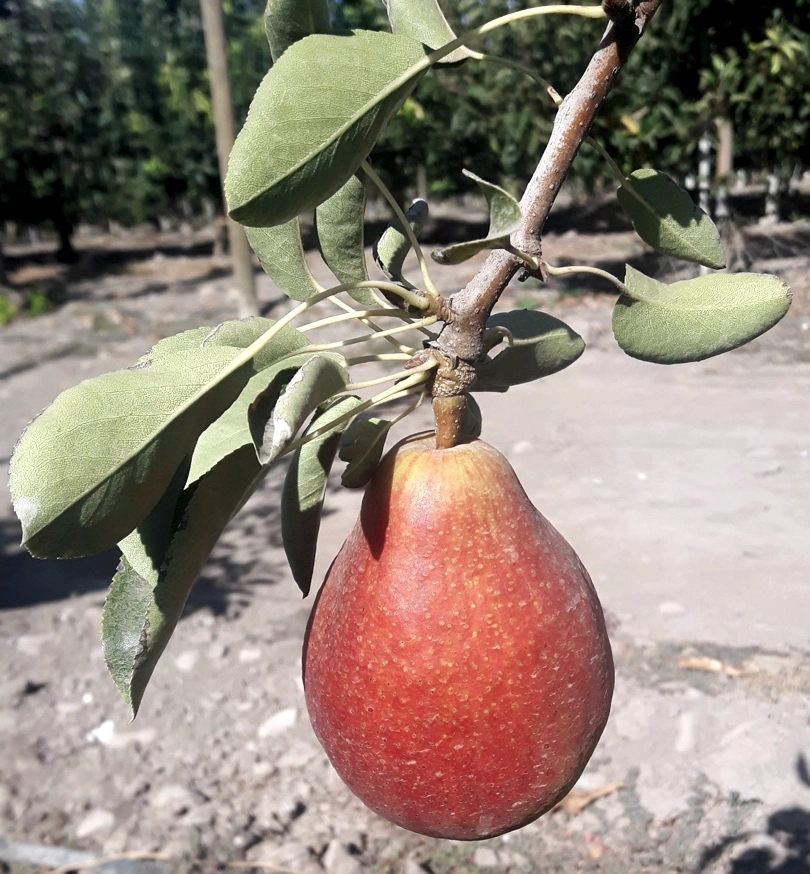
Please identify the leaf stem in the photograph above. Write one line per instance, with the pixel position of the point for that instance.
(595, 271)
(381, 380)
(614, 167)
(341, 304)
(383, 312)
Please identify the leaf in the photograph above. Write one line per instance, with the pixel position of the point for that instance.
(275, 417)
(315, 117)
(304, 491)
(666, 218)
(542, 345)
(281, 254)
(393, 246)
(147, 597)
(362, 447)
(287, 21)
(505, 218)
(696, 318)
(424, 20)
(473, 418)
(231, 430)
(91, 467)
(575, 802)
(339, 224)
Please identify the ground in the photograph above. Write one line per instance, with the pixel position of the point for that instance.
(684, 490)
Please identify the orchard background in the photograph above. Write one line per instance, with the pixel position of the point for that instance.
(684, 490)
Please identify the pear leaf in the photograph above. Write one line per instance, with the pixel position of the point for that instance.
(281, 254)
(148, 593)
(425, 21)
(339, 223)
(666, 218)
(393, 246)
(90, 468)
(542, 345)
(696, 318)
(473, 419)
(505, 218)
(287, 21)
(314, 118)
(275, 416)
(304, 490)
(362, 447)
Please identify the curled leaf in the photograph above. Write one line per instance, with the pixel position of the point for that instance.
(304, 489)
(278, 413)
(505, 218)
(362, 447)
(393, 246)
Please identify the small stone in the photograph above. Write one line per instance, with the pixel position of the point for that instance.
(486, 858)
(174, 798)
(103, 733)
(187, 661)
(411, 866)
(297, 756)
(671, 608)
(246, 656)
(216, 651)
(95, 821)
(338, 860)
(278, 723)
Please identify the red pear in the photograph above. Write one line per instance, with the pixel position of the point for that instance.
(456, 666)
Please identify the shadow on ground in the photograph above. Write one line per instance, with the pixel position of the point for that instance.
(783, 848)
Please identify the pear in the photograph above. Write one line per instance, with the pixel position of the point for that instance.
(456, 665)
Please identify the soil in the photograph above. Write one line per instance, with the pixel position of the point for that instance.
(684, 490)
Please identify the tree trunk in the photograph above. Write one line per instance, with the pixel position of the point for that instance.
(216, 53)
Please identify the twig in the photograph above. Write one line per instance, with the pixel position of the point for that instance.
(462, 337)
(267, 866)
(110, 860)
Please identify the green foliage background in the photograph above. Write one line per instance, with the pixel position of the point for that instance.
(105, 107)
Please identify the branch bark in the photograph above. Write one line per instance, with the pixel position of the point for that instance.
(461, 339)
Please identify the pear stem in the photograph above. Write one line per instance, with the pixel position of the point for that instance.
(449, 415)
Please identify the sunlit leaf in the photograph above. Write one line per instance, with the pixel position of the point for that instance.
(424, 20)
(304, 490)
(91, 467)
(542, 345)
(362, 447)
(287, 21)
(339, 222)
(147, 596)
(696, 318)
(666, 218)
(275, 417)
(314, 118)
(393, 246)
(281, 254)
(505, 218)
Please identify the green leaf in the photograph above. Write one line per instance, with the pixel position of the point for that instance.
(362, 447)
(315, 117)
(696, 318)
(666, 218)
(304, 490)
(275, 417)
(425, 21)
(231, 430)
(281, 254)
(505, 218)
(393, 246)
(339, 222)
(542, 346)
(91, 467)
(287, 21)
(147, 596)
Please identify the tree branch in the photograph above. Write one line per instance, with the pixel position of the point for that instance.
(461, 338)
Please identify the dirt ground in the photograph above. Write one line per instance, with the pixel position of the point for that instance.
(684, 490)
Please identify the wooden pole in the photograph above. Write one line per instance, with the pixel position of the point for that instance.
(225, 129)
